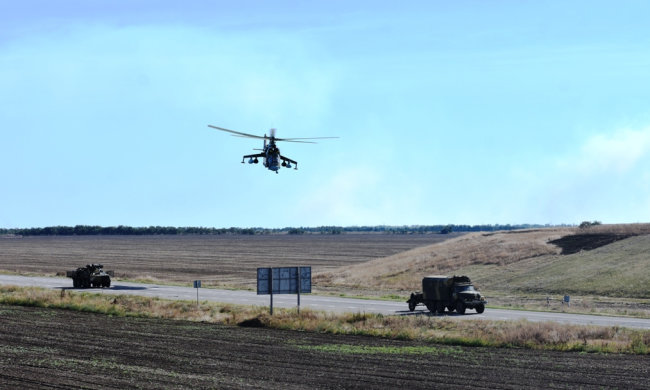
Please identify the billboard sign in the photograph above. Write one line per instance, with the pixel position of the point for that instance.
(285, 280)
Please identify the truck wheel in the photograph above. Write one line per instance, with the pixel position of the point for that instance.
(460, 307)
(441, 308)
(451, 308)
(411, 305)
(75, 283)
(431, 307)
(480, 308)
(107, 284)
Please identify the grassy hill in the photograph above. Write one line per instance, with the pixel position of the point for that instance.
(608, 260)
(620, 269)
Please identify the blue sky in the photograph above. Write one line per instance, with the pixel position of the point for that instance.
(475, 112)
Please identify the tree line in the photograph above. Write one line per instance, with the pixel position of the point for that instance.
(87, 230)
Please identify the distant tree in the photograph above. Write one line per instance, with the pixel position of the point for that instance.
(587, 224)
(330, 230)
(83, 230)
(447, 229)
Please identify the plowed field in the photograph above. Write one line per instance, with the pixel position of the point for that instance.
(49, 348)
(220, 260)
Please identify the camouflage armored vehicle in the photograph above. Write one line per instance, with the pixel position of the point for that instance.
(92, 275)
(450, 292)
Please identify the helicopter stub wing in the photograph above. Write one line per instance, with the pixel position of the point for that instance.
(252, 156)
(288, 160)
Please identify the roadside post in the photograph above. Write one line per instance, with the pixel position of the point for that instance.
(283, 280)
(197, 286)
(271, 289)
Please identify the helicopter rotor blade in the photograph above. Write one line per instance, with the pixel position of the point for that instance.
(272, 137)
(302, 142)
(238, 133)
(300, 139)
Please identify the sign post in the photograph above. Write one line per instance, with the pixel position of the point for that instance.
(271, 289)
(197, 286)
(283, 280)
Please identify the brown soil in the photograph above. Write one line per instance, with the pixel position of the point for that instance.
(224, 260)
(49, 348)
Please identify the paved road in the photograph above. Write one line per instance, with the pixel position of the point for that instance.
(326, 303)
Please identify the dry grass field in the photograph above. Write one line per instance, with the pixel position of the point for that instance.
(125, 348)
(425, 328)
(603, 261)
(604, 268)
(218, 260)
(404, 271)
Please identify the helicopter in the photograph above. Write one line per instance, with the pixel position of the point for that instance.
(270, 153)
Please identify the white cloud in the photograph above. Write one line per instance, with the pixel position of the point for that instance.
(362, 195)
(345, 196)
(606, 179)
(616, 153)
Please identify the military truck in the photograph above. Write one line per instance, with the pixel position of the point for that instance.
(92, 275)
(450, 292)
